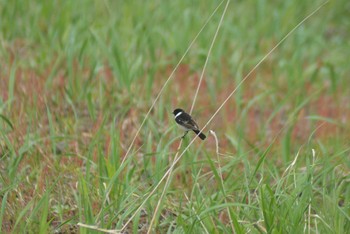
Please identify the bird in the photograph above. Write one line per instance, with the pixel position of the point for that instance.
(186, 122)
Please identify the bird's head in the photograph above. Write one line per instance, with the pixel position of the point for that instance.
(176, 111)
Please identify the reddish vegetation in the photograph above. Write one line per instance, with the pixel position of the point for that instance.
(30, 94)
(324, 105)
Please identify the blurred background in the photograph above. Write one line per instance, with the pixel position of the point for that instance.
(78, 77)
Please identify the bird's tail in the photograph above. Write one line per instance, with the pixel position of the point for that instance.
(200, 134)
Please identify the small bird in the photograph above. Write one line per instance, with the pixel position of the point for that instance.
(187, 123)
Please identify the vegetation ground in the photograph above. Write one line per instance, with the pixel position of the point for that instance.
(77, 79)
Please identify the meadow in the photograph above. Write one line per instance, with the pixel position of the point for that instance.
(88, 141)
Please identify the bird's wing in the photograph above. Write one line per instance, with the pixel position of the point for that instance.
(193, 124)
(187, 121)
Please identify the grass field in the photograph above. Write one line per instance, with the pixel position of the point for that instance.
(77, 79)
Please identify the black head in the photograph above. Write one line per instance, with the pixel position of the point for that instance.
(176, 111)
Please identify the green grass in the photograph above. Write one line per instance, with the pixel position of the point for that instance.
(78, 77)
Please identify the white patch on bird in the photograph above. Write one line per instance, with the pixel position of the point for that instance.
(183, 128)
(178, 114)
